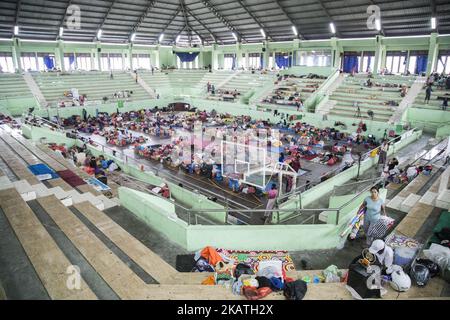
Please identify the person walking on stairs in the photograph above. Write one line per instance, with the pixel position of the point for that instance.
(428, 93)
(272, 195)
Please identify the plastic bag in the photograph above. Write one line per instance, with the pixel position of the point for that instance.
(332, 274)
(438, 254)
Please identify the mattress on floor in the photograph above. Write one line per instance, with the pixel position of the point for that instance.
(42, 171)
(71, 178)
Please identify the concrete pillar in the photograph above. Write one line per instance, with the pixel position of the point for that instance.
(407, 61)
(379, 60)
(265, 55)
(59, 55)
(98, 55)
(157, 57)
(295, 48)
(335, 53)
(238, 55)
(93, 59)
(433, 52)
(215, 59)
(201, 62)
(130, 56)
(16, 54)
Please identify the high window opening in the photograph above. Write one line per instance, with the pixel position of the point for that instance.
(141, 61)
(254, 60)
(6, 62)
(314, 58)
(229, 61)
(443, 64)
(396, 61)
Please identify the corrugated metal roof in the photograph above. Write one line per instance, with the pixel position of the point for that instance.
(215, 20)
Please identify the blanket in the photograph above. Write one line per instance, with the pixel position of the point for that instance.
(253, 258)
(42, 171)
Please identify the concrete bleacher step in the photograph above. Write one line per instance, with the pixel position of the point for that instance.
(443, 200)
(48, 260)
(107, 203)
(5, 183)
(396, 202)
(409, 202)
(429, 198)
(24, 188)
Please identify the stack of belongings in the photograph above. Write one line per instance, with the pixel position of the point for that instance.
(243, 280)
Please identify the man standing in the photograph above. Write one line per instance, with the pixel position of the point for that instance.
(358, 110)
(428, 93)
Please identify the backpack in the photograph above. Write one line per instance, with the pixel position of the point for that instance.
(295, 290)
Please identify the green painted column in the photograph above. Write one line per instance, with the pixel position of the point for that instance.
(335, 54)
(59, 55)
(201, 62)
(130, 56)
(265, 55)
(215, 58)
(433, 52)
(295, 48)
(16, 54)
(238, 55)
(98, 55)
(157, 57)
(378, 63)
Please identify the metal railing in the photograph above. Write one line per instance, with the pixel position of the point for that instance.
(298, 190)
(34, 120)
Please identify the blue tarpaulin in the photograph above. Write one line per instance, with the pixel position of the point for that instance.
(43, 172)
(187, 56)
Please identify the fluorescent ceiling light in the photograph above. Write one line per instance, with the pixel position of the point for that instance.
(99, 33)
(234, 36)
(332, 27)
(61, 31)
(433, 23)
(178, 38)
(16, 30)
(133, 36)
(294, 30)
(161, 37)
(263, 33)
(378, 24)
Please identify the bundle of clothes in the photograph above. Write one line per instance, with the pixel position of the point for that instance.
(5, 119)
(242, 279)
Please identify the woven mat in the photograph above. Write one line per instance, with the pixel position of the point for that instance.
(253, 258)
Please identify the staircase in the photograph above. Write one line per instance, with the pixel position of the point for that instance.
(408, 100)
(325, 107)
(34, 88)
(144, 85)
(336, 83)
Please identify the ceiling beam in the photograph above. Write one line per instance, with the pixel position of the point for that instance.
(16, 19)
(106, 17)
(325, 10)
(186, 23)
(213, 36)
(223, 19)
(255, 19)
(171, 20)
(300, 35)
(136, 26)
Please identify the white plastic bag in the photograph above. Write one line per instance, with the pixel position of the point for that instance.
(438, 254)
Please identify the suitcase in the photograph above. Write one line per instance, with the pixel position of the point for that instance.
(357, 279)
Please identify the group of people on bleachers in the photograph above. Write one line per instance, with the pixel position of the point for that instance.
(442, 82)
